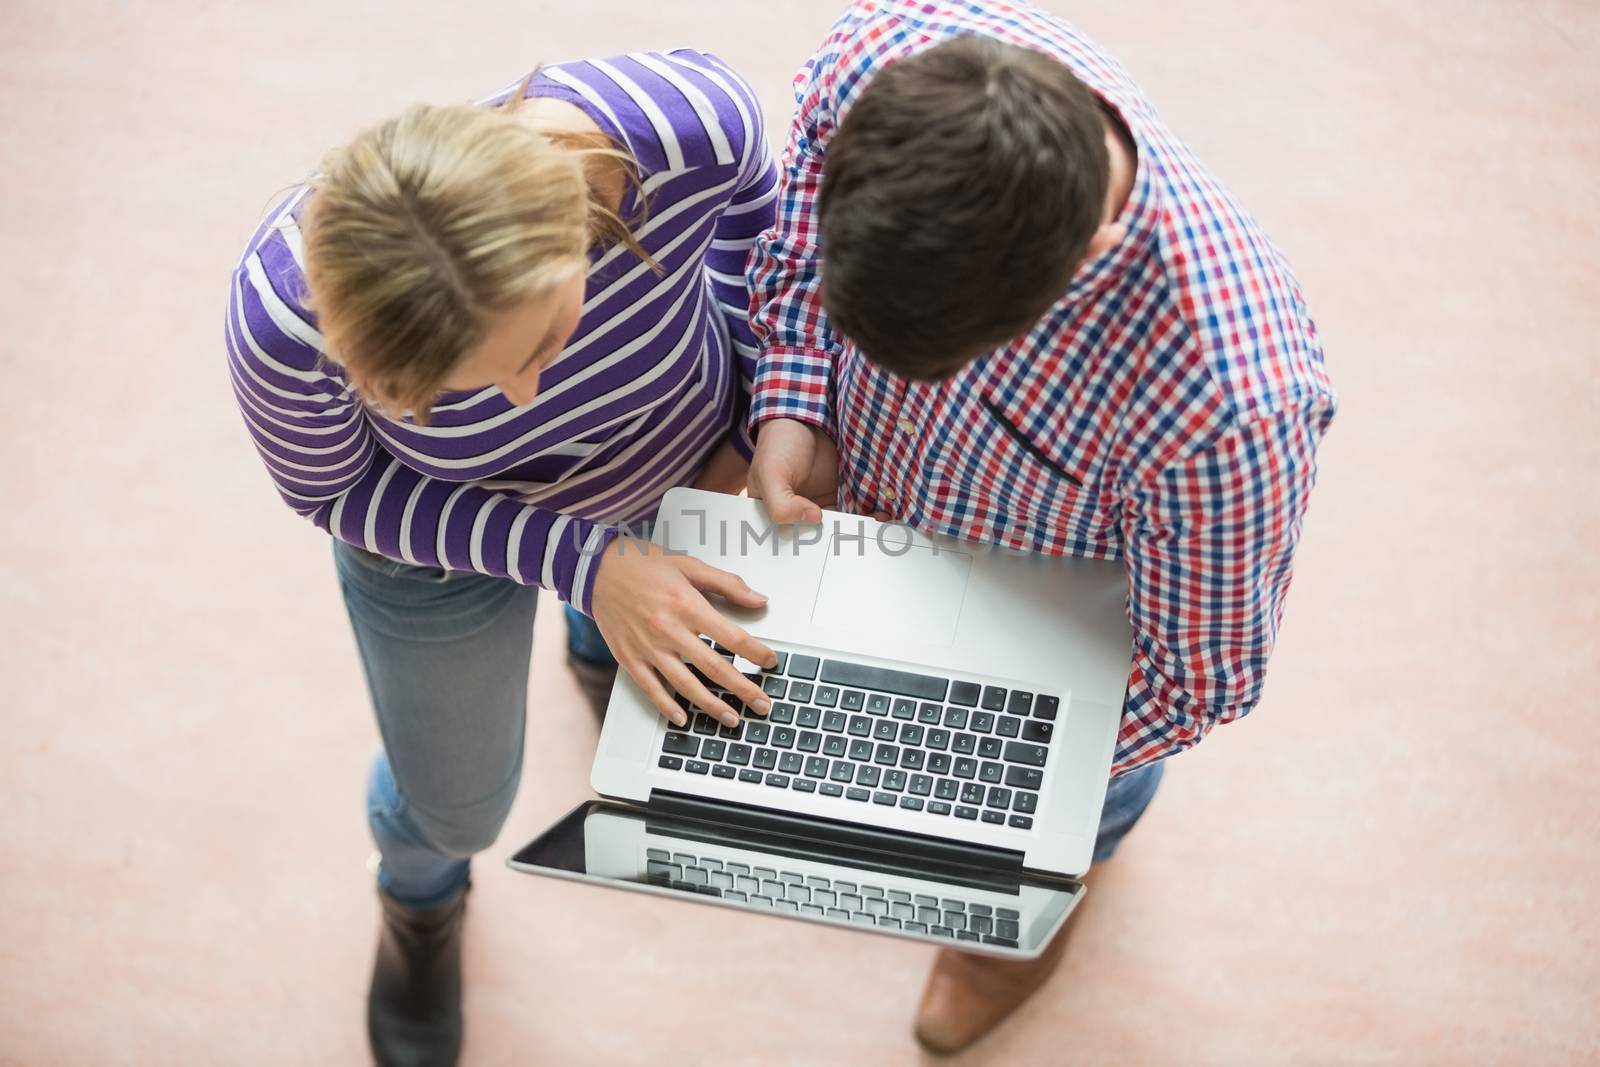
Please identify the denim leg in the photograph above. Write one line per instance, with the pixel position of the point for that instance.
(584, 641)
(1126, 799)
(446, 659)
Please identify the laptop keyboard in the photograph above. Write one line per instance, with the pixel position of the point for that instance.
(869, 905)
(943, 746)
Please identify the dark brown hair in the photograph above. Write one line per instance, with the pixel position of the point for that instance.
(959, 194)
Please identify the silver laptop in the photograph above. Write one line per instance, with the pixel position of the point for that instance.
(937, 754)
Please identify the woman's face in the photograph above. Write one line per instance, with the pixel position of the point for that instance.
(521, 342)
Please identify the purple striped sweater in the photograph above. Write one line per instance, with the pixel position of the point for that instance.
(656, 375)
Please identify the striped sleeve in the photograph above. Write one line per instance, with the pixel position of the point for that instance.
(314, 439)
(750, 211)
(1209, 544)
(794, 373)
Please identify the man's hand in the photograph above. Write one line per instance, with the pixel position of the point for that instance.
(795, 472)
(651, 609)
(725, 472)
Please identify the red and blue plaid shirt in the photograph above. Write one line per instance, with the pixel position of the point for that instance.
(1166, 411)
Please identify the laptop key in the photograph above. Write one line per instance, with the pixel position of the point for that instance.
(964, 693)
(900, 683)
(947, 789)
(921, 784)
(748, 775)
(766, 759)
(965, 744)
(800, 692)
(904, 709)
(1019, 703)
(980, 924)
(778, 781)
(834, 745)
(994, 698)
(781, 713)
(972, 793)
(827, 696)
(722, 770)
(1045, 707)
(877, 704)
(680, 744)
(803, 667)
(732, 733)
(938, 740)
(982, 721)
(1022, 822)
(886, 755)
(830, 789)
(929, 714)
(808, 717)
(998, 797)
(860, 726)
(955, 718)
(1035, 730)
(790, 762)
(861, 750)
(914, 803)
(867, 775)
(705, 724)
(712, 749)
(996, 817)
(1008, 726)
(810, 741)
(783, 737)
(886, 799)
(989, 747)
(816, 766)
(739, 755)
(672, 763)
(695, 766)
(842, 771)
(774, 686)
(1007, 928)
(804, 785)
(940, 763)
(834, 721)
(990, 772)
(895, 780)
(938, 807)
(853, 700)
(1007, 913)
(966, 813)
(1024, 778)
(757, 733)
(886, 730)
(855, 793)
(911, 734)
(1022, 752)
(912, 759)
(966, 767)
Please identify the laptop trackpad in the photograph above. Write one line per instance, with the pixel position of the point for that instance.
(871, 582)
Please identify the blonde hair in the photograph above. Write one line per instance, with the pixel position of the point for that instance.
(424, 226)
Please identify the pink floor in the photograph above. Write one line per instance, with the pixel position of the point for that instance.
(1393, 861)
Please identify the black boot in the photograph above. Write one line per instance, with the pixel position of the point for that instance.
(414, 1006)
(595, 680)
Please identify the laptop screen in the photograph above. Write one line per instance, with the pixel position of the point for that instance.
(896, 893)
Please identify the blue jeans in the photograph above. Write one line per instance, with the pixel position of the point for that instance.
(446, 659)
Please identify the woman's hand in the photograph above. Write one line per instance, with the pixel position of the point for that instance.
(651, 609)
(725, 472)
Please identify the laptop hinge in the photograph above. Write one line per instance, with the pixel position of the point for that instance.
(867, 839)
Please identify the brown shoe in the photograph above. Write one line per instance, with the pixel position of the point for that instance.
(968, 995)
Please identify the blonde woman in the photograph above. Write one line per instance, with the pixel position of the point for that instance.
(478, 336)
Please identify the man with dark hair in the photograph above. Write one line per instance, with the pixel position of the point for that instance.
(1002, 302)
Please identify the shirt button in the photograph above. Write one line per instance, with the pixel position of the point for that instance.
(906, 426)
(889, 493)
